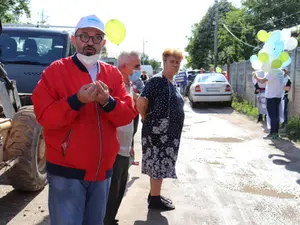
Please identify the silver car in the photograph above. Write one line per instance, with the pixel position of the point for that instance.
(210, 87)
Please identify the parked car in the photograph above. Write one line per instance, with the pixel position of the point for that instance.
(210, 87)
(191, 74)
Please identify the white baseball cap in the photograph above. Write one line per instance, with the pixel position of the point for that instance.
(90, 21)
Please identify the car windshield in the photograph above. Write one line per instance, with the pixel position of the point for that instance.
(211, 78)
(31, 47)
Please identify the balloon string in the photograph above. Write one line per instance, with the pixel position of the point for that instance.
(237, 37)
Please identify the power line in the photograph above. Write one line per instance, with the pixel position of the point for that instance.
(245, 43)
(277, 6)
(257, 25)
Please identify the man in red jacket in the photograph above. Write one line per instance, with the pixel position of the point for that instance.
(80, 102)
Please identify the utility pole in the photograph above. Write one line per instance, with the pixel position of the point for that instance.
(143, 51)
(216, 23)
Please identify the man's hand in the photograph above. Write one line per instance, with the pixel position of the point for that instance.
(87, 93)
(142, 106)
(135, 96)
(102, 95)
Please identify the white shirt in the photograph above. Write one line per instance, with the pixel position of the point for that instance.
(93, 71)
(260, 74)
(275, 84)
(125, 134)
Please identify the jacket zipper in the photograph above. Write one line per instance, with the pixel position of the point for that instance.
(66, 143)
(100, 131)
(100, 140)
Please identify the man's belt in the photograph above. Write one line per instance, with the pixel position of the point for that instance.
(262, 89)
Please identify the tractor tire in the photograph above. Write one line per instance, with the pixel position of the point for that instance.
(26, 142)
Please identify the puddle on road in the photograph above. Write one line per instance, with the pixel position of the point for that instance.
(220, 139)
(267, 192)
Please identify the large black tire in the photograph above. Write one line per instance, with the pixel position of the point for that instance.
(26, 141)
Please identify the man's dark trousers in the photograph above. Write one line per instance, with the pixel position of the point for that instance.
(273, 111)
(117, 189)
(135, 128)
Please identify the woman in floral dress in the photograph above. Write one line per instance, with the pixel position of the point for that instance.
(161, 107)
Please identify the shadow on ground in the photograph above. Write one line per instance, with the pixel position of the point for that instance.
(130, 183)
(14, 202)
(153, 218)
(212, 108)
(290, 158)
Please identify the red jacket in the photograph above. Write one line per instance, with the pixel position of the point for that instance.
(81, 139)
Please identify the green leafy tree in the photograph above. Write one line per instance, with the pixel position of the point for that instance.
(145, 59)
(201, 42)
(272, 14)
(12, 10)
(233, 48)
(243, 23)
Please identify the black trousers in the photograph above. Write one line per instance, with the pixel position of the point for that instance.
(286, 105)
(117, 188)
(135, 128)
(273, 111)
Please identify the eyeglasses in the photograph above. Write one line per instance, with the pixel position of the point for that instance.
(137, 66)
(86, 38)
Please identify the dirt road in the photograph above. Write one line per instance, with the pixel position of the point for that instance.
(228, 174)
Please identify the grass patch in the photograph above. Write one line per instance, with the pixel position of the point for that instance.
(243, 106)
(292, 130)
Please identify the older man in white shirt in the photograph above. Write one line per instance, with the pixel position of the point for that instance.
(128, 63)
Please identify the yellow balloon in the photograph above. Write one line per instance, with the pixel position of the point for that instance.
(218, 70)
(284, 56)
(262, 35)
(263, 57)
(276, 64)
(115, 31)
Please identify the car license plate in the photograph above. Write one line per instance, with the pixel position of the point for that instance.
(213, 90)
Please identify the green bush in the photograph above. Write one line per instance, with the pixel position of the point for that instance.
(243, 106)
(293, 129)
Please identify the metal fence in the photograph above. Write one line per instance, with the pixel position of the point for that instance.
(240, 77)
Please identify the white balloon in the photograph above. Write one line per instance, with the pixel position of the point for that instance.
(268, 48)
(266, 67)
(291, 44)
(256, 65)
(285, 34)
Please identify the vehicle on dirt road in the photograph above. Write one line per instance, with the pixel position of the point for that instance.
(24, 54)
(210, 87)
(191, 74)
(27, 51)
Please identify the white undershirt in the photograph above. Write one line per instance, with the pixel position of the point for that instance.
(93, 71)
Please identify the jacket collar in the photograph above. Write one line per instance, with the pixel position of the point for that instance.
(80, 65)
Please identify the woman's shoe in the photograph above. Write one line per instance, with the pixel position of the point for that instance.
(156, 202)
(162, 197)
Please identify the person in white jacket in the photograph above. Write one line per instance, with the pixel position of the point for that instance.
(274, 92)
(260, 94)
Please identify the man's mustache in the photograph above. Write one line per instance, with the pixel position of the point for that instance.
(89, 47)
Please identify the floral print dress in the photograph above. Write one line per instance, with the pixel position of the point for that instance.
(162, 128)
